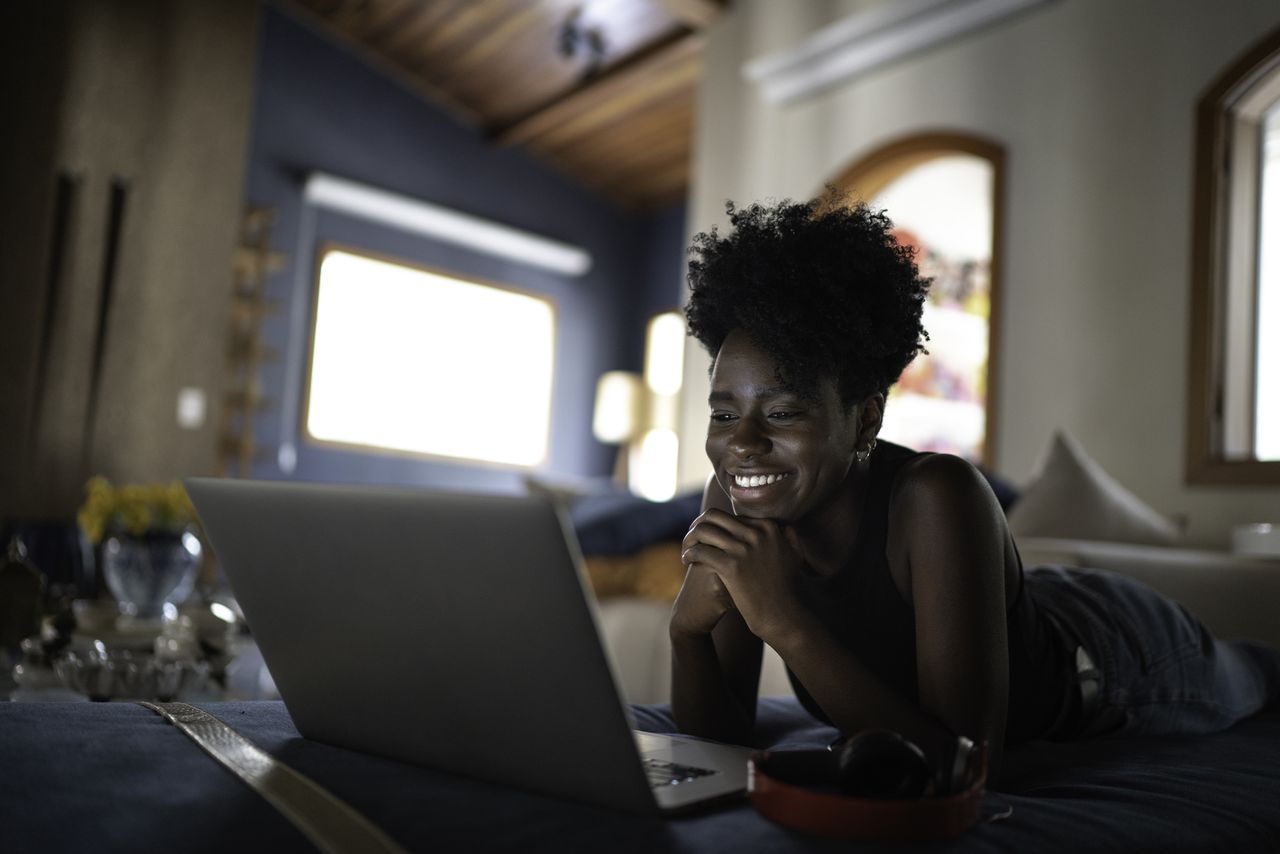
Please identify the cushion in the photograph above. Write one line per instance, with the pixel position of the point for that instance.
(655, 572)
(610, 520)
(624, 524)
(1072, 497)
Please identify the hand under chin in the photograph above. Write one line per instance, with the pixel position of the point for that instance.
(749, 511)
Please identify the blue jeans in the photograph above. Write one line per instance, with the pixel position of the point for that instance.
(1159, 671)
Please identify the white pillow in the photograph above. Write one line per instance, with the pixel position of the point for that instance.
(1073, 498)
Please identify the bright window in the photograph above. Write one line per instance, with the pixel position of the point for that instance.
(944, 209)
(941, 192)
(1266, 429)
(1233, 429)
(1250, 274)
(408, 360)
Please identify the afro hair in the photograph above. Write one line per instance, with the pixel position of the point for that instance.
(822, 286)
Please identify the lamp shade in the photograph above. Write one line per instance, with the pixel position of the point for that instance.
(664, 353)
(619, 415)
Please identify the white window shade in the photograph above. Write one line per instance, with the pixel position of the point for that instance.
(408, 360)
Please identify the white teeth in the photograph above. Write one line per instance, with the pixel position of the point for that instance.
(758, 479)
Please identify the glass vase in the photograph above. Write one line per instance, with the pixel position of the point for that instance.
(145, 572)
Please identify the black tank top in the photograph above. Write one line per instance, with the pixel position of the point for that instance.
(864, 609)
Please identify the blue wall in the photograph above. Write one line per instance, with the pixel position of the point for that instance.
(319, 108)
(666, 263)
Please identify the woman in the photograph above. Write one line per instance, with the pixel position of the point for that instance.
(887, 580)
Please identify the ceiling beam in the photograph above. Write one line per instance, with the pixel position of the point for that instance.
(672, 113)
(672, 63)
(650, 141)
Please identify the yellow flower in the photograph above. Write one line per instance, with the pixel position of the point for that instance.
(136, 518)
(92, 524)
(135, 508)
(99, 487)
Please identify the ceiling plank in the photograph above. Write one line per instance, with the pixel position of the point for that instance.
(674, 112)
(670, 66)
(361, 18)
(352, 16)
(622, 152)
(392, 22)
(432, 53)
(384, 15)
(616, 115)
(694, 14)
(395, 39)
(469, 56)
(382, 62)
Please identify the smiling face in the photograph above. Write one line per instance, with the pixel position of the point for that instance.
(779, 454)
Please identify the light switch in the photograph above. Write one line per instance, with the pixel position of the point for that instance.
(191, 408)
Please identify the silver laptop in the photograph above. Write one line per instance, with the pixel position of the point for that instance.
(450, 630)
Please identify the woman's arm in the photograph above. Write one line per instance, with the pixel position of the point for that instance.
(946, 535)
(954, 536)
(715, 659)
(947, 531)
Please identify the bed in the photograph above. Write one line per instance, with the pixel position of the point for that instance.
(116, 777)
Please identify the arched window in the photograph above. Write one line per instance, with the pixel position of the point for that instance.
(1233, 426)
(943, 193)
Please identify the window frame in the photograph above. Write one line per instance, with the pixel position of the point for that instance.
(399, 453)
(1206, 458)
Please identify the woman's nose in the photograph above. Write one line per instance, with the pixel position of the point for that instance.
(748, 440)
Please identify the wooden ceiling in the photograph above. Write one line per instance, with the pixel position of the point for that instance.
(604, 90)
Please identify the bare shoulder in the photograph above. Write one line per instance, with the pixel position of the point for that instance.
(946, 484)
(945, 520)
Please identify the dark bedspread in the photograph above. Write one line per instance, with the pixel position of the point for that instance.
(117, 777)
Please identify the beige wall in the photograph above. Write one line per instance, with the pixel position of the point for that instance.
(156, 94)
(1093, 100)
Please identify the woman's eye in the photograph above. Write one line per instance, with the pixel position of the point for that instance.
(721, 417)
(783, 414)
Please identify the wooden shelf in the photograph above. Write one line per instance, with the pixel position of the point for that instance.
(242, 348)
(244, 311)
(251, 265)
(247, 400)
(234, 446)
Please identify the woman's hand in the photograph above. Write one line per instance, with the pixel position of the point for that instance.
(755, 562)
(715, 659)
(703, 598)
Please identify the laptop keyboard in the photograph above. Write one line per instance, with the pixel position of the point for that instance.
(664, 773)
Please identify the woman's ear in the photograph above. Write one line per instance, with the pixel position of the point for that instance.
(870, 417)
